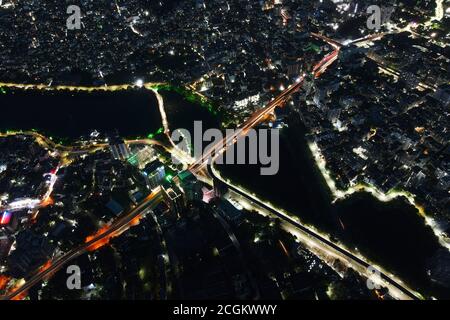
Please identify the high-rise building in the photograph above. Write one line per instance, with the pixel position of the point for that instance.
(118, 148)
(191, 186)
(154, 173)
(142, 157)
(175, 200)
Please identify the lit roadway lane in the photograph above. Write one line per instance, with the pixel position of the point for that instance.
(396, 288)
(213, 152)
(257, 117)
(320, 241)
(118, 226)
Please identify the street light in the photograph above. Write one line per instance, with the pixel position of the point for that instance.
(139, 83)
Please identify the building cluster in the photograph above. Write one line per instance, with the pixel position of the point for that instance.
(45, 210)
(23, 171)
(239, 53)
(379, 118)
(195, 243)
(231, 50)
(25, 167)
(219, 250)
(389, 131)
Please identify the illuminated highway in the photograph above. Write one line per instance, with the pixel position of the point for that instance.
(396, 287)
(92, 243)
(162, 112)
(257, 117)
(260, 115)
(321, 245)
(315, 240)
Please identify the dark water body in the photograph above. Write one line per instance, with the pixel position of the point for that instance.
(69, 115)
(73, 114)
(182, 113)
(390, 234)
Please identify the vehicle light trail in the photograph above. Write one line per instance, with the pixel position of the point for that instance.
(4, 280)
(216, 150)
(397, 288)
(114, 229)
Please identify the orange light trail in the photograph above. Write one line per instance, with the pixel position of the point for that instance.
(20, 296)
(4, 280)
(45, 267)
(105, 240)
(101, 242)
(135, 221)
(47, 202)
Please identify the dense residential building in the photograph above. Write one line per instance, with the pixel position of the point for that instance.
(100, 169)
